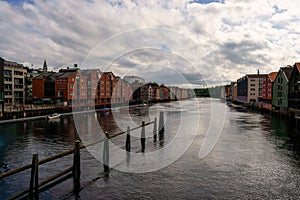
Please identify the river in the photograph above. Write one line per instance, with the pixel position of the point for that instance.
(255, 156)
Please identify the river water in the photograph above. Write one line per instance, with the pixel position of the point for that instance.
(255, 156)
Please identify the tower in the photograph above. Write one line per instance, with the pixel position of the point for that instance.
(45, 66)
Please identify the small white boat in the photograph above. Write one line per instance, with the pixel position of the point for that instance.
(53, 116)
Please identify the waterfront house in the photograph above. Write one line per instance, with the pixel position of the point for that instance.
(43, 87)
(91, 77)
(164, 92)
(281, 89)
(249, 88)
(234, 91)
(227, 92)
(267, 91)
(294, 89)
(65, 85)
(105, 88)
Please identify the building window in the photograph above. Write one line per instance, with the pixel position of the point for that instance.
(71, 93)
(71, 86)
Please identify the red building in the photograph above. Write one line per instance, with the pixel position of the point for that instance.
(105, 89)
(65, 87)
(91, 78)
(43, 87)
(267, 91)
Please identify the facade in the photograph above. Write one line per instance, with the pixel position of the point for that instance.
(234, 92)
(14, 84)
(2, 83)
(91, 77)
(249, 88)
(43, 86)
(106, 86)
(227, 92)
(255, 87)
(242, 89)
(294, 89)
(65, 86)
(173, 91)
(267, 91)
(166, 92)
(31, 73)
(281, 89)
(121, 92)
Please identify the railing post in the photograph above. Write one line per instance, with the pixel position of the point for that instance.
(106, 153)
(155, 130)
(143, 136)
(161, 127)
(34, 178)
(76, 166)
(128, 146)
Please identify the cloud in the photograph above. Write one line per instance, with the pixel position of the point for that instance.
(221, 39)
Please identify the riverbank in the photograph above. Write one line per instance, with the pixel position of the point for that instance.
(256, 107)
(35, 113)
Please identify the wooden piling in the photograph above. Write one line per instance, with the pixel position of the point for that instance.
(76, 166)
(161, 127)
(128, 145)
(34, 178)
(143, 136)
(106, 153)
(155, 130)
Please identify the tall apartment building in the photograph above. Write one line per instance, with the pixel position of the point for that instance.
(2, 85)
(250, 88)
(14, 83)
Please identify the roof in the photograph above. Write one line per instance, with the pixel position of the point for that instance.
(297, 66)
(45, 75)
(257, 75)
(66, 74)
(272, 76)
(88, 72)
(287, 71)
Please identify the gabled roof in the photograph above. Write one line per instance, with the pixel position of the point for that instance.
(287, 71)
(297, 65)
(272, 76)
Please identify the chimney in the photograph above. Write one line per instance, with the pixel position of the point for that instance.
(257, 71)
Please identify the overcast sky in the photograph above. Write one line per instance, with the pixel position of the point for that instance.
(172, 42)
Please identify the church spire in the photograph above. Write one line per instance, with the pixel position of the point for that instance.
(45, 66)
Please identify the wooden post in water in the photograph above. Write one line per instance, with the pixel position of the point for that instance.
(34, 178)
(76, 166)
(106, 153)
(155, 130)
(161, 127)
(128, 146)
(143, 136)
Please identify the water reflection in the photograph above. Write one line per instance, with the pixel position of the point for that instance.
(257, 155)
